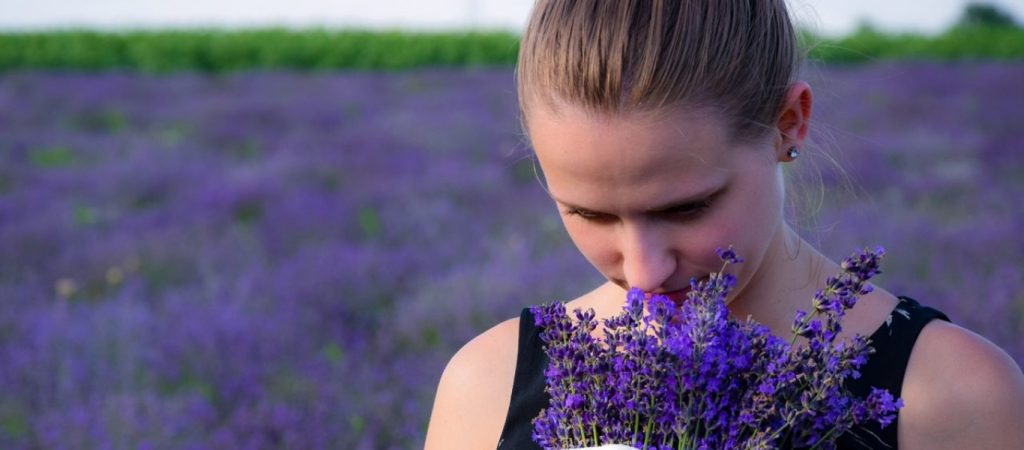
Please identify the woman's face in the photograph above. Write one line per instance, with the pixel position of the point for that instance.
(647, 200)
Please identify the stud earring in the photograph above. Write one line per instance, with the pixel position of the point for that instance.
(793, 153)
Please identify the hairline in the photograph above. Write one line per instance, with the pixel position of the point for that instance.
(555, 105)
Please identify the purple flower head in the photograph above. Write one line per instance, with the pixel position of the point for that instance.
(728, 255)
(692, 376)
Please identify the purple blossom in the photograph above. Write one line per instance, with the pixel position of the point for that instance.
(215, 255)
(694, 377)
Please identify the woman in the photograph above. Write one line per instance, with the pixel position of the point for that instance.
(661, 128)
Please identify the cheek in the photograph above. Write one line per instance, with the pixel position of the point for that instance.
(748, 223)
(699, 244)
(754, 222)
(592, 242)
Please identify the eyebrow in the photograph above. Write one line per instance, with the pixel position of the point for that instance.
(706, 194)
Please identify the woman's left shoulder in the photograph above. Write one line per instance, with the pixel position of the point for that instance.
(960, 391)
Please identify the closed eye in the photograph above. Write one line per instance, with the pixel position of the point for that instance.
(682, 211)
(588, 215)
(687, 210)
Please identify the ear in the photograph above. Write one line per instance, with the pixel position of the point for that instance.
(794, 119)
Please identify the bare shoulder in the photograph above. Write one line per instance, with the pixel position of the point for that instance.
(474, 391)
(960, 391)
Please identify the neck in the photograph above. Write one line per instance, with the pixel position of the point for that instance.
(784, 281)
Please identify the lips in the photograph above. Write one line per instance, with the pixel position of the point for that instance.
(678, 296)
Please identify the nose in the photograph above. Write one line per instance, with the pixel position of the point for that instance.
(648, 260)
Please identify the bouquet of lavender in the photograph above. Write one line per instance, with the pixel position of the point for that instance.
(693, 377)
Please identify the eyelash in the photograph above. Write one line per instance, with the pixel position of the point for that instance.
(686, 211)
(691, 210)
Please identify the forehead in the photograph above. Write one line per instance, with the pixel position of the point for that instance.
(629, 160)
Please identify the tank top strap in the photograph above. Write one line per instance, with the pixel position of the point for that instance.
(886, 367)
(528, 396)
(893, 342)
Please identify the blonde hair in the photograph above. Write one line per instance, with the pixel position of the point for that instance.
(736, 57)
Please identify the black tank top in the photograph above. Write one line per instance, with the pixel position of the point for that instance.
(884, 369)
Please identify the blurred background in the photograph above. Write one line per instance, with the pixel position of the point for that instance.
(831, 17)
(268, 225)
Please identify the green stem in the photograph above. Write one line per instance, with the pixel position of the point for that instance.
(647, 432)
(823, 438)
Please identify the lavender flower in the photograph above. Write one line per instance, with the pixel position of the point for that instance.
(692, 377)
(354, 305)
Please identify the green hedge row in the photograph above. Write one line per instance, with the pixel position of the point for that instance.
(223, 51)
(958, 43)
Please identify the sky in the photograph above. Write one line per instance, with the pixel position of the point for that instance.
(830, 17)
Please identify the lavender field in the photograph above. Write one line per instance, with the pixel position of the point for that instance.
(288, 260)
